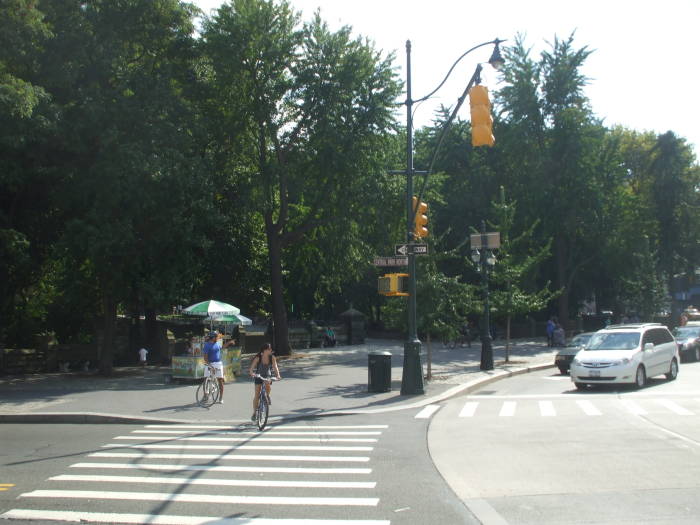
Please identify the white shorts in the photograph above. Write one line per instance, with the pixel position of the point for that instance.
(218, 366)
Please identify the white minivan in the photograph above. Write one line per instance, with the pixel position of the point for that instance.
(628, 353)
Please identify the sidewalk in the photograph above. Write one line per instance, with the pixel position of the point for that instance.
(316, 382)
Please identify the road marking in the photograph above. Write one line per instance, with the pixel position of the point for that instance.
(229, 457)
(219, 481)
(427, 411)
(271, 428)
(317, 448)
(267, 432)
(633, 407)
(222, 468)
(468, 409)
(249, 440)
(6, 486)
(673, 407)
(507, 409)
(165, 519)
(547, 409)
(588, 408)
(201, 498)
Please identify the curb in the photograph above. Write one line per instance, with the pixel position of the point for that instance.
(105, 418)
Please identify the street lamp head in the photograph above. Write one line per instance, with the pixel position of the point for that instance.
(496, 59)
(476, 256)
(490, 259)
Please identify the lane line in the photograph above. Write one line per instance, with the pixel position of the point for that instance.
(427, 411)
(316, 448)
(547, 409)
(229, 457)
(633, 407)
(267, 432)
(165, 519)
(507, 409)
(249, 440)
(674, 407)
(271, 428)
(217, 482)
(222, 468)
(200, 498)
(468, 409)
(588, 408)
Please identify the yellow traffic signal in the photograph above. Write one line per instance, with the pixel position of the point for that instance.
(421, 219)
(393, 284)
(482, 134)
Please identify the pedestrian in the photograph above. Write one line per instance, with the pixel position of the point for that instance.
(329, 337)
(212, 355)
(558, 336)
(550, 331)
(263, 364)
(143, 355)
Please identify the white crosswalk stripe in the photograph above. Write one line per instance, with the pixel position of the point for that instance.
(641, 406)
(427, 411)
(308, 466)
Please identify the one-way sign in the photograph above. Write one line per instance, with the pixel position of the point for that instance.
(405, 249)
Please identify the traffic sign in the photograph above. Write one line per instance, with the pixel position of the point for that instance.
(391, 261)
(490, 240)
(417, 249)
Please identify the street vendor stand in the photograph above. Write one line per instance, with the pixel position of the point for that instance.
(191, 365)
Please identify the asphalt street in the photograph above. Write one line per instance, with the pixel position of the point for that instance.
(537, 451)
(354, 470)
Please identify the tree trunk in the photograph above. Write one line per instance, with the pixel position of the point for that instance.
(279, 312)
(109, 307)
(507, 338)
(152, 340)
(430, 357)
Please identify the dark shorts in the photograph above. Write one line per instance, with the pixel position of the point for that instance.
(259, 381)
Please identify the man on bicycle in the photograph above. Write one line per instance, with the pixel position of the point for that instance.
(212, 356)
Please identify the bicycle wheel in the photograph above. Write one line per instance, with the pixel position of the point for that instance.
(207, 393)
(262, 412)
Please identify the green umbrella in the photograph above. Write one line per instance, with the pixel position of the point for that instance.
(235, 319)
(211, 308)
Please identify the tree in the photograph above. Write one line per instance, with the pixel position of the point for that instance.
(516, 291)
(308, 111)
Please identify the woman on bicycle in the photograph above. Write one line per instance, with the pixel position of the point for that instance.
(263, 364)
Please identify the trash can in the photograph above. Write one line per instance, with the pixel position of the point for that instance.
(379, 372)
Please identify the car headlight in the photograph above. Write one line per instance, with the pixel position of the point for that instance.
(619, 362)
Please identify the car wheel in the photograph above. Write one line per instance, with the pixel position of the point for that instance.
(641, 377)
(562, 370)
(580, 386)
(673, 370)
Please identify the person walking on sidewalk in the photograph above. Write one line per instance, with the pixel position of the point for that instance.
(212, 356)
(263, 364)
(143, 354)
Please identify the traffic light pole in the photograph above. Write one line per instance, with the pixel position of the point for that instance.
(412, 378)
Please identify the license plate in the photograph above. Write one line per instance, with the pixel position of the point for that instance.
(594, 373)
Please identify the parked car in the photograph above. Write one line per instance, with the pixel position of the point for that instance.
(688, 339)
(564, 356)
(629, 353)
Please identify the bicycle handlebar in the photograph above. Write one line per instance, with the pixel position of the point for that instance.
(269, 379)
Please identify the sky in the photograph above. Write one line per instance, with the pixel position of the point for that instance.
(642, 74)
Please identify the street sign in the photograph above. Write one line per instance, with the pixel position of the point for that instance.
(490, 240)
(405, 249)
(390, 261)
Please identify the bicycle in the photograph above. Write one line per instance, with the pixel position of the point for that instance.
(208, 390)
(263, 409)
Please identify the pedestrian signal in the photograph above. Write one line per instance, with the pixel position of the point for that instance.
(393, 284)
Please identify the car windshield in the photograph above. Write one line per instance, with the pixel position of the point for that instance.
(579, 340)
(614, 341)
(687, 332)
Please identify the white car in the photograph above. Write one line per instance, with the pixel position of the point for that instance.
(628, 353)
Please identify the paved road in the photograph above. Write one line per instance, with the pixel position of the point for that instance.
(349, 470)
(536, 451)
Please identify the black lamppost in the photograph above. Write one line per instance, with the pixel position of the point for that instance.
(412, 377)
(486, 260)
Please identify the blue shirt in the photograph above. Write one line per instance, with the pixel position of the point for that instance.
(212, 351)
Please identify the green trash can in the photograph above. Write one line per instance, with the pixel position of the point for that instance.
(379, 372)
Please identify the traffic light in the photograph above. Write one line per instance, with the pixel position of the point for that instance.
(393, 284)
(421, 219)
(482, 134)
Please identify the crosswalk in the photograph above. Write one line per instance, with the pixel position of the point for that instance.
(193, 474)
(547, 408)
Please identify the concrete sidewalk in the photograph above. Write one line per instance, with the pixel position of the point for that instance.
(317, 382)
